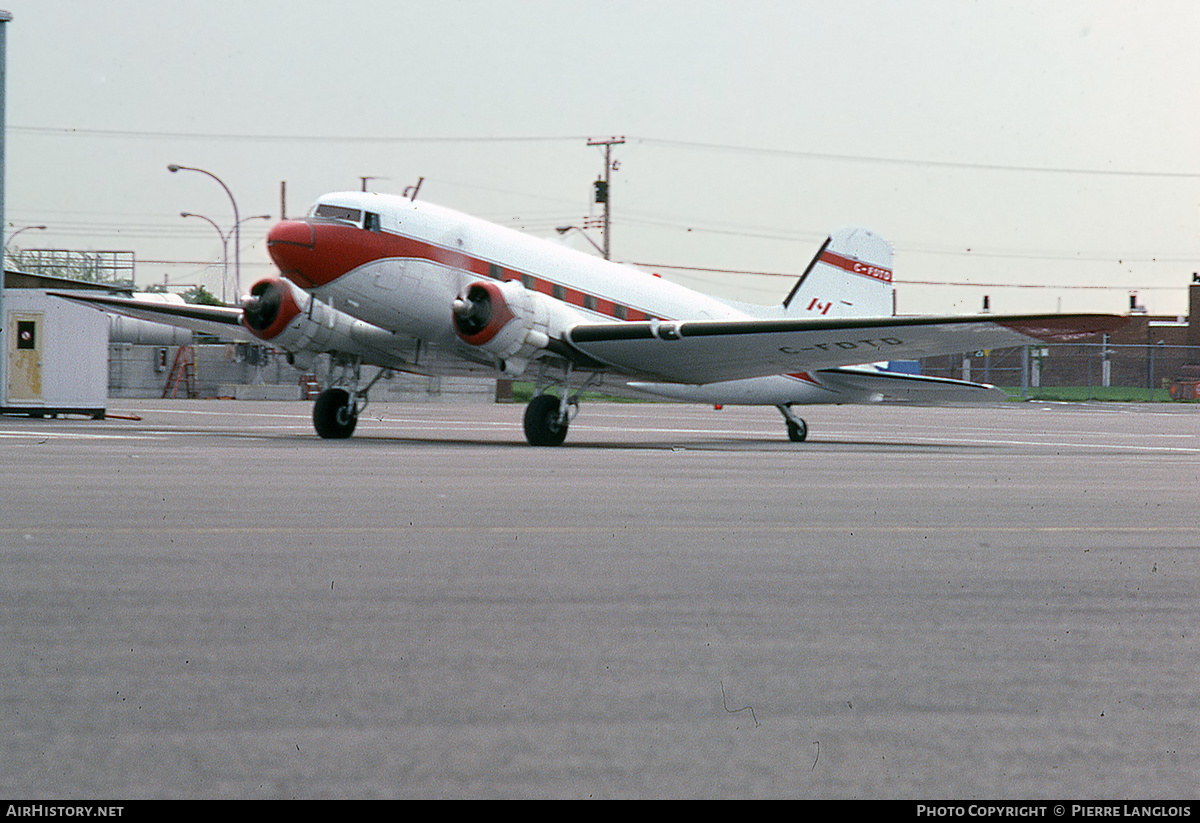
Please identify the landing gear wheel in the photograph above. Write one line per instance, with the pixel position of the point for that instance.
(334, 415)
(797, 429)
(542, 427)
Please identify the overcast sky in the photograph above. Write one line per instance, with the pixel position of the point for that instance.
(1045, 152)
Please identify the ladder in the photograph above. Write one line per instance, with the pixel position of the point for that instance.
(184, 371)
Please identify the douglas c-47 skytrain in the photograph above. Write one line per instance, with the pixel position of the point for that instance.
(381, 280)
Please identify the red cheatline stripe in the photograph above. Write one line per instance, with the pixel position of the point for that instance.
(857, 267)
(334, 250)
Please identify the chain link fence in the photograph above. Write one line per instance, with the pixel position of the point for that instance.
(1099, 371)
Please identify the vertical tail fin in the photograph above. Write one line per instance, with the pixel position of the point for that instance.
(851, 276)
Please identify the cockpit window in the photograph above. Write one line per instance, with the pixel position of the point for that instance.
(371, 223)
(328, 211)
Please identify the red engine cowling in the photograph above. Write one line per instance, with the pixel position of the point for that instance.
(281, 313)
(271, 306)
(506, 320)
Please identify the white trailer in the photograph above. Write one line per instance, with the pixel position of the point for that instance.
(55, 356)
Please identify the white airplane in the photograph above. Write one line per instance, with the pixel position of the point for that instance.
(382, 280)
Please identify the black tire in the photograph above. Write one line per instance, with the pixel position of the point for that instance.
(541, 422)
(334, 417)
(797, 434)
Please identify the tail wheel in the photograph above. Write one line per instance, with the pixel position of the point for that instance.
(796, 427)
(542, 426)
(334, 415)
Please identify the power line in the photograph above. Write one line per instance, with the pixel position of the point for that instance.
(62, 131)
(902, 161)
(904, 282)
(125, 134)
(542, 222)
(1013, 254)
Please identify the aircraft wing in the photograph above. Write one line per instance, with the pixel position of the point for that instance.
(706, 351)
(222, 321)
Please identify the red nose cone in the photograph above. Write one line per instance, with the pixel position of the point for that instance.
(313, 253)
(291, 233)
(291, 244)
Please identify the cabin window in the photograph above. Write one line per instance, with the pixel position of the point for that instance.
(619, 312)
(528, 282)
(557, 292)
(371, 221)
(589, 302)
(328, 211)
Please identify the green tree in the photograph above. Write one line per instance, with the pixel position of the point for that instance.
(201, 295)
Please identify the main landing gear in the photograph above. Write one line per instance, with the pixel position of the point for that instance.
(336, 412)
(797, 429)
(548, 416)
(546, 420)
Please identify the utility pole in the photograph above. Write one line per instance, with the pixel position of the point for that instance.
(603, 186)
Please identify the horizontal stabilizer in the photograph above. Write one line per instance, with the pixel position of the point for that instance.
(851, 384)
(872, 385)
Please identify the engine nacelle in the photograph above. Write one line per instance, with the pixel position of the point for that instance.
(508, 320)
(284, 315)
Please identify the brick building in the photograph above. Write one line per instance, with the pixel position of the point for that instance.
(1149, 352)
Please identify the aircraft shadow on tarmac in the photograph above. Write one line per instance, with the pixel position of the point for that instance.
(733, 443)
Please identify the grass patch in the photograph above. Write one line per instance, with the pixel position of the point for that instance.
(1080, 394)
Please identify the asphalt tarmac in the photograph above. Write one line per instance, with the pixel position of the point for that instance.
(211, 602)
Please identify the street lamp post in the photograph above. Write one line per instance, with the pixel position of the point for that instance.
(238, 292)
(224, 254)
(225, 243)
(237, 236)
(13, 237)
(595, 245)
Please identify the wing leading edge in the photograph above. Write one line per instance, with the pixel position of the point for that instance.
(698, 352)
